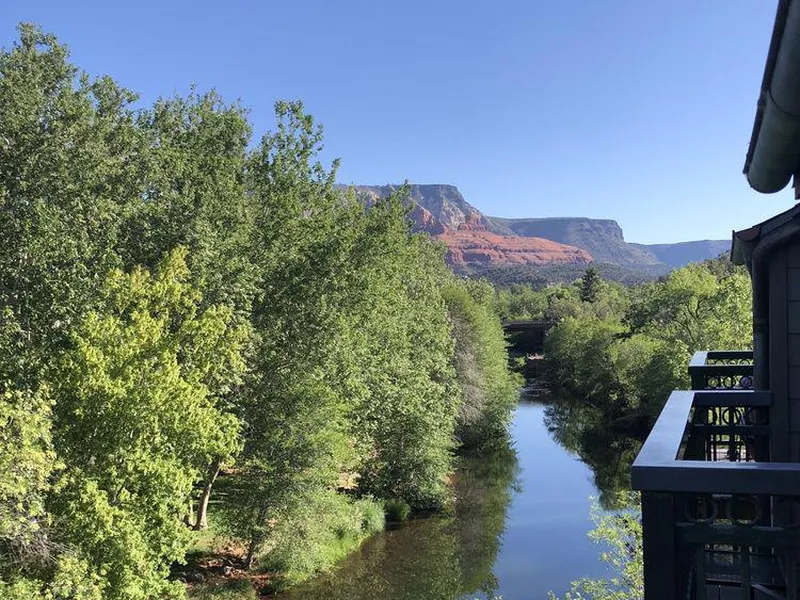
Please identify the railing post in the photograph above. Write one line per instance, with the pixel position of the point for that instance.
(696, 374)
(658, 545)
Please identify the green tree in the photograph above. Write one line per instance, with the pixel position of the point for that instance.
(27, 463)
(136, 424)
(590, 285)
(405, 421)
(70, 157)
(696, 308)
(195, 195)
(489, 390)
(295, 414)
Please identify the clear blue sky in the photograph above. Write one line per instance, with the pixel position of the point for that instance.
(635, 110)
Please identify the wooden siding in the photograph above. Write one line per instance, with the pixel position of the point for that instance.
(784, 351)
(778, 354)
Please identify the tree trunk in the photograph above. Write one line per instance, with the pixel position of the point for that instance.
(202, 509)
(187, 518)
(251, 553)
(256, 539)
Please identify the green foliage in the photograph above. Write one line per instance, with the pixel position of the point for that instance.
(542, 276)
(330, 526)
(176, 302)
(136, 422)
(697, 307)
(69, 158)
(373, 518)
(617, 359)
(590, 285)
(451, 555)
(196, 196)
(295, 410)
(71, 578)
(620, 533)
(481, 364)
(404, 419)
(558, 301)
(629, 356)
(27, 463)
(397, 510)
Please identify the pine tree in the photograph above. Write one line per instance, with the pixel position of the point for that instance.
(590, 285)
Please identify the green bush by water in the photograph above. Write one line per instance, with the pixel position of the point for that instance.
(397, 510)
(319, 532)
(373, 518)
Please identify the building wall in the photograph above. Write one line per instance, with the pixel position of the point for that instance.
(784, 351)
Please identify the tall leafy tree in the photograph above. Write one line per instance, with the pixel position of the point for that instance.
(136, 423)
(404, 424)
(70, 159)
(294, 415)
(195, 196)
(489, 391)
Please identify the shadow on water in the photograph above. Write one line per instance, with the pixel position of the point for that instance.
(607, 445)
(438, 558)
(520, 518)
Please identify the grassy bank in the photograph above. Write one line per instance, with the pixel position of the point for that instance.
(317, 535)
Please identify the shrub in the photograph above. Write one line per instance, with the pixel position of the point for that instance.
(397, 510)
(318, 532)
(373, 518)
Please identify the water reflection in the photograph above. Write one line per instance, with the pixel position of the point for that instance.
(607, 444)
(519, 523)
(441, 558)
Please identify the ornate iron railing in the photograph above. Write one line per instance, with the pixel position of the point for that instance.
(722, 370)
(719, 520)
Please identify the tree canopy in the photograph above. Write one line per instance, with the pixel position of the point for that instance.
(184, 310)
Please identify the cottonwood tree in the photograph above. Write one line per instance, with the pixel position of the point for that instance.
(70, 159)
(136, 423)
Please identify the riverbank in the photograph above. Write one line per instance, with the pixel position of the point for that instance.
(518, 530)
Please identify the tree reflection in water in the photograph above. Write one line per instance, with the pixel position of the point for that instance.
(437, 558)
(606, 443)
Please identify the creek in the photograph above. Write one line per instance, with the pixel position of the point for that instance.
(519, 526)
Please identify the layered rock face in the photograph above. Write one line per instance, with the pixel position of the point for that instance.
(471, 237)
(470, 247)
(476, 239)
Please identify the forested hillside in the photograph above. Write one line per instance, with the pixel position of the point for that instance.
(198, 329)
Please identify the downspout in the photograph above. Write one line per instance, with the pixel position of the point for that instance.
(759, 271)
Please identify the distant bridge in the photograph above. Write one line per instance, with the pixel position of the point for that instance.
(527, 336)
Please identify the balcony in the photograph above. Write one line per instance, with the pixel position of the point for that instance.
(722, 370)
(719, 519)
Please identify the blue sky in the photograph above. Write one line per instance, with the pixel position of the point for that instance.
(635, 110)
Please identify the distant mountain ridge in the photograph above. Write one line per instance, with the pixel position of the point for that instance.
(478, 241)
(602, 238)
(471, 237)
(681, 253)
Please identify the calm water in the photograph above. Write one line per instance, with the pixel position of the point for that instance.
(519, 529)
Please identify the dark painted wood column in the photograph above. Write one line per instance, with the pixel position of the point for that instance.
(658, 539)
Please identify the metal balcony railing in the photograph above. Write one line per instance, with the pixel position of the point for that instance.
(722, 370)
(719, 520)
